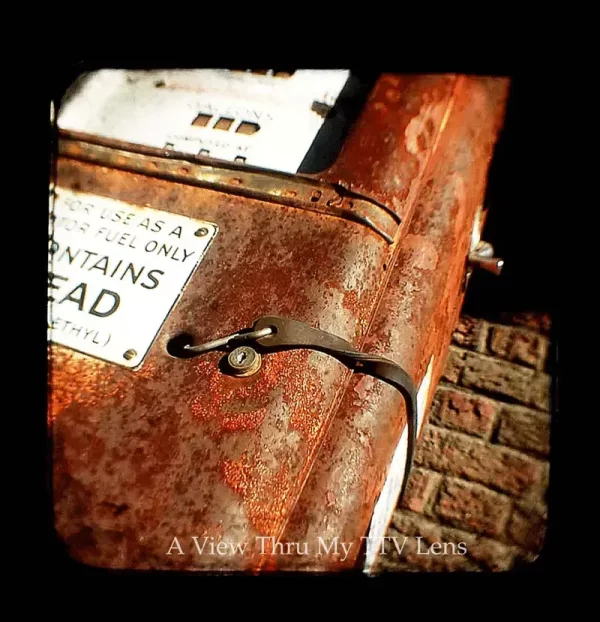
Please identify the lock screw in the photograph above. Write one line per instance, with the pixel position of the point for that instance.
(244, 361)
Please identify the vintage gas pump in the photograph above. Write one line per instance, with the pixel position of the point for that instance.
(253, 282)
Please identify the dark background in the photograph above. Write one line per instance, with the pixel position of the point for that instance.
(521, 222)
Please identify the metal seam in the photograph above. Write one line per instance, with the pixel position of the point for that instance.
(245, 190)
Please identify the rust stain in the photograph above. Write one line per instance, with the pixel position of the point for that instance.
(304, 417)
(240, 404)
(426, 255)
(77, 378)
(458, 185)
(351, 302)
(386, 151)
(264, 492)
(420, 131)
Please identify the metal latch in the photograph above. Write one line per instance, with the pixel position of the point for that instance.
(272, 334)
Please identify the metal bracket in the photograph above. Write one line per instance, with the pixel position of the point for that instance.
(292, 190)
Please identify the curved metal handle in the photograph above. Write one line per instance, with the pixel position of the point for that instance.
(292, 334)
(272, 333)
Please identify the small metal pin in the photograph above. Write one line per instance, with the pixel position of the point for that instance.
(483, 257)
(224, 341)
(491, 264)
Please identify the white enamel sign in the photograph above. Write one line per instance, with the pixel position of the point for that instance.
(265, 121)
(115, 272)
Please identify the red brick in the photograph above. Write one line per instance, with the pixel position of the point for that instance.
(519, 346)
(498, 467)
(540, 322)
(470, 333)
(454, 365)
(488, 553)
(466, 412)
(473, 507)
(414, 552)
(482, 552)
(421, 488)
(437, 403)
(527, 529)
(465, 488)
(524, 429)
(507, 380)
(411, 524)
(417, 555)
(539, 392)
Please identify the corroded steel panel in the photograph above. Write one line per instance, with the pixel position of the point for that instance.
(414, 320)
(301, 448)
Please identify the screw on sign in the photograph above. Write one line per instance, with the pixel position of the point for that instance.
(130, 354)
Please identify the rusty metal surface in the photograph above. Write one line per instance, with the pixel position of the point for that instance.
(178, 449)
(389, 145)
(414, 321)
(292, 190)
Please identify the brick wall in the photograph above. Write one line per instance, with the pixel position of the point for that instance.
(481, 468)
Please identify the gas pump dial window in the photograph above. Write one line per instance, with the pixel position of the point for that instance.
(268, 119)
